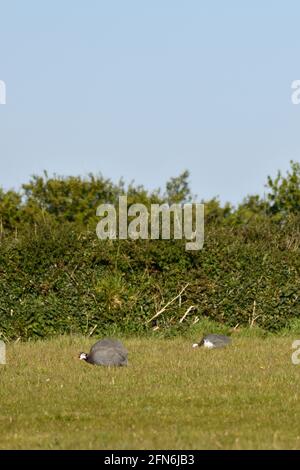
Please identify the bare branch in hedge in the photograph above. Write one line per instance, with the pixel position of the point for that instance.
(167, 305)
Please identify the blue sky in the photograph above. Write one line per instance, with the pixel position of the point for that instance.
(145, 89)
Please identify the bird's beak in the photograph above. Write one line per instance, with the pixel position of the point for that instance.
(195, 345)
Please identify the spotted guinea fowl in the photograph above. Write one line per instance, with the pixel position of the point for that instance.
(213, 341)
(106, 352)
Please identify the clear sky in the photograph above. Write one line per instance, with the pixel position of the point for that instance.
(147, 88)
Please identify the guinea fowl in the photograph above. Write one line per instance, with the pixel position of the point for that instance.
(106, 352)
(213, 341)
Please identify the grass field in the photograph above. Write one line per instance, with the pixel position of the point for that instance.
(169, 397)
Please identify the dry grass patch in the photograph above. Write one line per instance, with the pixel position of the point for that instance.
(170, 396)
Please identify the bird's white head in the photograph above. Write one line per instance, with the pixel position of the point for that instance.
(83, 356)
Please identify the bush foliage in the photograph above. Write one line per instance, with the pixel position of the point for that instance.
(57, 277)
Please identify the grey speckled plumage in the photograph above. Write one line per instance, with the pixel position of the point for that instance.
(213, 341)
(106, 352)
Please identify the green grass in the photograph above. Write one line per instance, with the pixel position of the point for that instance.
(169, 397)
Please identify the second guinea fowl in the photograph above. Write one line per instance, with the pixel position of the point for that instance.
(106, 352)
(213, 341)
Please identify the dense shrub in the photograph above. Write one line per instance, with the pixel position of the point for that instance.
(57, 277)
